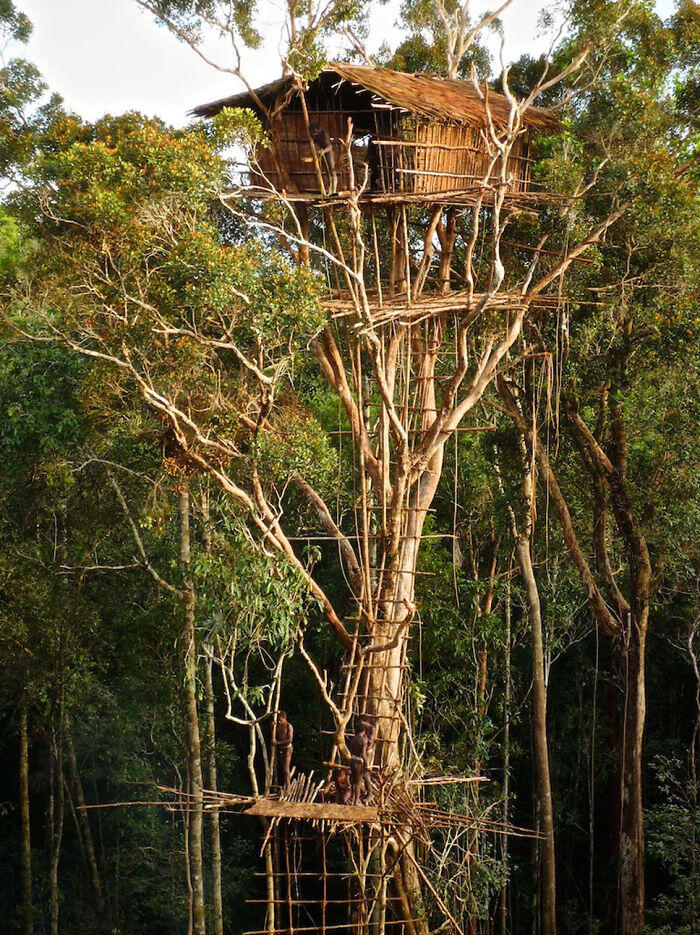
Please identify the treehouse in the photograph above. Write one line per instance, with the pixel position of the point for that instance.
(393, 136)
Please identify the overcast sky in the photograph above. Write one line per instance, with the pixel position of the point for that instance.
(109, 56)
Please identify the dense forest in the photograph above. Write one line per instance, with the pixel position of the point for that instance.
(233, 483)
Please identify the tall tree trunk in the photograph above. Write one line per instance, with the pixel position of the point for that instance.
(506, 769)
(482, 610)
(522, 532)
(26, 846)
(694, 745)
(56, 813)
(85, 830)
(194, 748)
(608, 470)
(592, 791)
(539, 708)
(385, 676)
(634, 633)
(212, 780)
(632, 824)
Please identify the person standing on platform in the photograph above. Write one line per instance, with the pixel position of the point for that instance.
(282, 739)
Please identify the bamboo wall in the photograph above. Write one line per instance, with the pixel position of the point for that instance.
(450, 157)
(296, 153)
(415, 156)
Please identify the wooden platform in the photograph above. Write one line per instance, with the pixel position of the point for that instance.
(399, 308)
(448, 198)
(315, 811)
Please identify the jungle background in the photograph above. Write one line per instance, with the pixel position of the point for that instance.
(96, 673)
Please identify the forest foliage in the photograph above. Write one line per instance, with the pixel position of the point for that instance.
(125, 283)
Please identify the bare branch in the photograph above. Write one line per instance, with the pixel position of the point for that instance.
(346, 549)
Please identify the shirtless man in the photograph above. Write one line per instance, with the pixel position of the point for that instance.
(283, 741)
(357, 745)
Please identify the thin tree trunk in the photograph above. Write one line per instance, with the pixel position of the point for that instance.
(217, 897)
(506, 770)
(539, 706)
(26, 846)
(85, 829)
(186, 814)
(194, 749)
(56, 814)
(632, 824)
(212, 779)
(629, 623)
(482, 610)
(57, 800)
(591, 792)
(694, 744)
(634, 633)
(522, 532)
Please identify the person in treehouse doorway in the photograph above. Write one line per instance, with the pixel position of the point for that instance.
(324, 149)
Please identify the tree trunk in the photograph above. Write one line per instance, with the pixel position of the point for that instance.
(85, 830)
(633, 634)
(56, 813)
(383, 698)
(632, 824)
(214, 816)
(694, 747)
(27, 908)
(629, 624)
(506, 769)
(194, 750)
(212, 778)
(384, 682)
(522, 532)
(539, 705)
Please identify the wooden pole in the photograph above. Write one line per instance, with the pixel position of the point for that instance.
(288, 871)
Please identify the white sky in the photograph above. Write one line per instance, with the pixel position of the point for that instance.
(109, 56)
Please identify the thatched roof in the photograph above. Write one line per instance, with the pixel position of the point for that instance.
(428, 95)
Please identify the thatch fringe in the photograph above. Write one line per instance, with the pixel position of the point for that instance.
(432, 96)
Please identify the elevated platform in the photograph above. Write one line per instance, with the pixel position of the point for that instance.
(401, 309)
(314, 811)
(463, 197)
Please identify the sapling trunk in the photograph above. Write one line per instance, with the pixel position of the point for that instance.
(26, 846)
(194, 750)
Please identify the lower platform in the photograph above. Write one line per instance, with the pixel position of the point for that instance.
(449, 198)
(314, 811)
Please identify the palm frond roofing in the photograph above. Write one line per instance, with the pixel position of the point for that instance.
(445, 99)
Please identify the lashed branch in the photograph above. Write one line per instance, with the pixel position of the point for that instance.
(351, 562)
